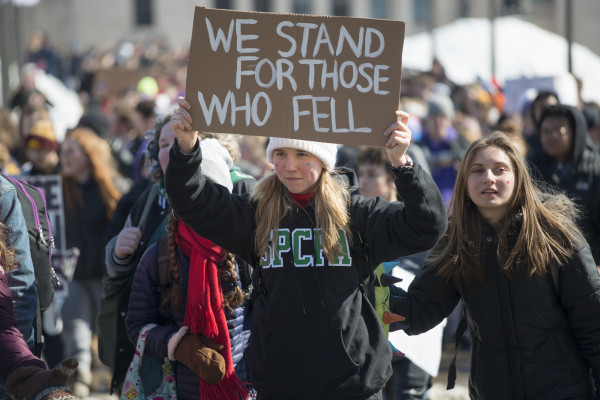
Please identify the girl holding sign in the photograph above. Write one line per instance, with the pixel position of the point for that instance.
(315, 335)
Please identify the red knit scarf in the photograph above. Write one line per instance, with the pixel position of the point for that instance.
(204, 313)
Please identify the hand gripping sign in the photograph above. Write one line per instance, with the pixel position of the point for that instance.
(328, 79)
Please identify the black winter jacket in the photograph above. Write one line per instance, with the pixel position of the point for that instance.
(84, 229)
(529, 338)
(315, 335)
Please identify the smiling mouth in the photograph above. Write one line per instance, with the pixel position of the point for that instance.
(489, 192)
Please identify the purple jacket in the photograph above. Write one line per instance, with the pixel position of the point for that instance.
(14, 352)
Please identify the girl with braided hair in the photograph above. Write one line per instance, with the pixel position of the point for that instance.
(200, 312)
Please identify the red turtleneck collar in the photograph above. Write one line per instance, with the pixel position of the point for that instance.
(301, 199)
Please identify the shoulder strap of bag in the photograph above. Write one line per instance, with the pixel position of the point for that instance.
(147, 204)
(460, 331)
(163, 261)
(163, 257)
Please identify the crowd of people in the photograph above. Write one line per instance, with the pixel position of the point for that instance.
(277, 268)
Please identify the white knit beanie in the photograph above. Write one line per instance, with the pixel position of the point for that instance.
(326, 152)
(216, 163)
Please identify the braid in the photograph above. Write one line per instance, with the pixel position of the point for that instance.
(174, 298)
(228, 273)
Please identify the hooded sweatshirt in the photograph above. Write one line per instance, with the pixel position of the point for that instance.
(578, 176)
(315, 335)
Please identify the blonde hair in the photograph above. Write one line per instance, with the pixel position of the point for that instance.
(102, 170)
(546, 234)
(331, 200)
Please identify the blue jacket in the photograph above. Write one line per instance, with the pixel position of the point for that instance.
(21, 280)
(144, 309)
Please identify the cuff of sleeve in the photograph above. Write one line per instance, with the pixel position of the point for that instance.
(405, 174)
(177, 153)
(174, 341)
(122, 261)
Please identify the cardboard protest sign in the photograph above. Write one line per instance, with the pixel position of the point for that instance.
(328, 79)
(115, 81)
(52, 185)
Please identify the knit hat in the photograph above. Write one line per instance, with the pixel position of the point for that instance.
(326, 152)
(41, 136)
(216, 163)
(439, 104)
(96, 121)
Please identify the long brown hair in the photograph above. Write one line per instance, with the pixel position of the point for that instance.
(547, 230)
(331, 210)
(226, 270)
(7, 253)
(102, 169)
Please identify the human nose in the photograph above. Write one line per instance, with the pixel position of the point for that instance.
(489, 177)
(291, 164)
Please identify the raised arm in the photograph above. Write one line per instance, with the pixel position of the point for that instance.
(410, 225)
(208, 208)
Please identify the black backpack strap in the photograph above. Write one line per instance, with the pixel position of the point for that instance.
(39, 338)
(163, 257)
(163, 261)
(460, 331)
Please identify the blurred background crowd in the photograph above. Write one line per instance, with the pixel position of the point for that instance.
(83, 112)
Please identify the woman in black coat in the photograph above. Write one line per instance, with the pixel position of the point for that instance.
(526, 275)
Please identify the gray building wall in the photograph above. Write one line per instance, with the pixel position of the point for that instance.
(101, 23)
(98, 23)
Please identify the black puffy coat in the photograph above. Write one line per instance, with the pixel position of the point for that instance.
(530, 338)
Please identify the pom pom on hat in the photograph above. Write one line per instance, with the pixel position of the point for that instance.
(326, 152)
(216, 163)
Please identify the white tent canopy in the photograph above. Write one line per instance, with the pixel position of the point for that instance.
(523, 50)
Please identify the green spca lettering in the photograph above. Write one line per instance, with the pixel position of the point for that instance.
(306, 249)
